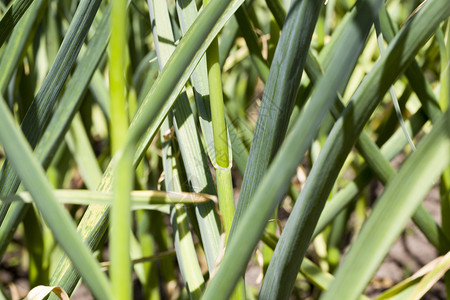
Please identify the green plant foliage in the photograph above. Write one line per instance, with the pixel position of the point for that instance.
(223, 149)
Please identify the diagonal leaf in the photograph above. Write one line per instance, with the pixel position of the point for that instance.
(33, 177)
(286, 261)
(61, 119)
(11, 17)
(38, 114)
(397, 204)
(279, 98)
(94, 222)
(194, 159)
(400, 53)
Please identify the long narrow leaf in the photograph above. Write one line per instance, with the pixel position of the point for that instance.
(286, 261)
(140, 199)
(94, 222)
(279, 98)
(61, 119)
(399, 54)
(11, 17)
(397, 204)
(57, 218)
(39, 112)
(194, 159)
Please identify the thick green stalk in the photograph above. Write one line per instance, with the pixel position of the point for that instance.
(226, 199)
(221, 161)
(217, 107)
(187, 14)
(222, 156)
(220, 134)
(117, 60)
(120, 228)
(120, 270)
